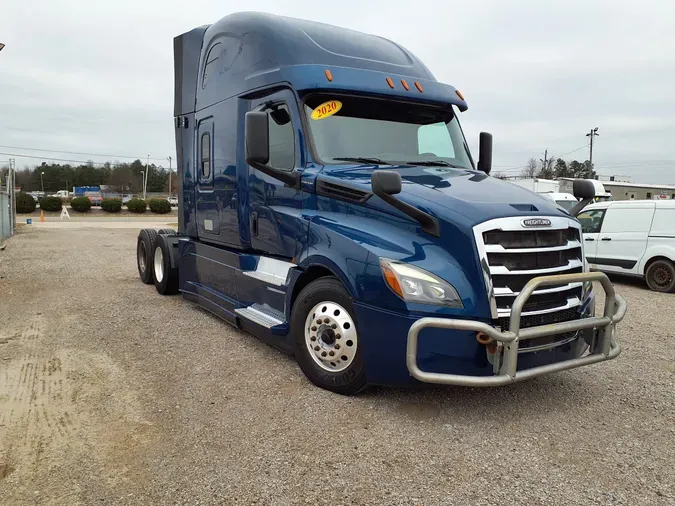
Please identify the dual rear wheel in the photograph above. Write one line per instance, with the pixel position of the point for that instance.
(153, 258)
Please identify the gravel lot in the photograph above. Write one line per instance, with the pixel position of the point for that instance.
(112, 394)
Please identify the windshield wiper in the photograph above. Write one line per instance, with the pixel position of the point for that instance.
(434, 163)
(362, 159)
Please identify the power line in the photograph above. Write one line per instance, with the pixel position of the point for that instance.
(573, 151)
(83, 162)
(79, 153)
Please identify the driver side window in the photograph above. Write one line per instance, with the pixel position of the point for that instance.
(591, 221)
(282, 139)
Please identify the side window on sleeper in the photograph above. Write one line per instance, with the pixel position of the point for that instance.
(206, 156)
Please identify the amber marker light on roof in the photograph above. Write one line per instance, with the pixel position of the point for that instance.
(405, 84)
(459, 94)
(329, 76)
(390, 83)
(419, 87)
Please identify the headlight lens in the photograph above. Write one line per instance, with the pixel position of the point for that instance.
(413, 284)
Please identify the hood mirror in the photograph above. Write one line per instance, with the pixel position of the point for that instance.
(583, 189)
(485, 152)
(387, 182)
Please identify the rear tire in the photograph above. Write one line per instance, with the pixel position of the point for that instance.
(165, 276)
(167, 231)
(145, 246)
(660, 276)
(337, 365)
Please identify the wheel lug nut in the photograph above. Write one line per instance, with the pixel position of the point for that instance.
(326, 320)
(314, 329)
(316, 348)
(333, 326)
(313, 338)
(337, 336)
(318, 322)
(323, 353)
(331, 353)
(337, 346)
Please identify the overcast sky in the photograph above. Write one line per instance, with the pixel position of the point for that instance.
(97, 76)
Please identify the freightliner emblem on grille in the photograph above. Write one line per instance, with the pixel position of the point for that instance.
(536, 222)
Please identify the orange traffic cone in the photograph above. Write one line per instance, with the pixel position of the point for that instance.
(42, 216)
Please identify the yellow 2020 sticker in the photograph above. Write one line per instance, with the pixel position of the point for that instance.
(326, 109)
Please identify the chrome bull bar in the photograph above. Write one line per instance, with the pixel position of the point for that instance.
(606, 347)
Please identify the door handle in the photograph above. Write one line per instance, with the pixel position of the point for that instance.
(606, 238)
(254, 224)
(589, 239)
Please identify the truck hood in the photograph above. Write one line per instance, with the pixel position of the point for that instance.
(475, 195)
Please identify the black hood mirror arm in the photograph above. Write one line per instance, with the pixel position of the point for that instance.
(579, 207)
(385, 184)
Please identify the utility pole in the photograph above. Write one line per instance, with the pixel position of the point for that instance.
(11, 182)
(543, 162)
(592, 134)
(145, 182)
(169, 158)
(42, 182)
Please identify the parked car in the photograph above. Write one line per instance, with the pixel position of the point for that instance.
(564, 200)
(634, 237)
(173, 201)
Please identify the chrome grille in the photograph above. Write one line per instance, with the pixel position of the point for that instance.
(511, 255)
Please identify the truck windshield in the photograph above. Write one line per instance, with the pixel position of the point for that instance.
(373, 130)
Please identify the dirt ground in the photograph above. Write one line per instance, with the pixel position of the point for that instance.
(112, 394)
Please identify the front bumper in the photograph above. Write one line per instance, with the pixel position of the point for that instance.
(604, 346)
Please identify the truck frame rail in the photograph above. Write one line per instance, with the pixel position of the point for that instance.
(606, 347)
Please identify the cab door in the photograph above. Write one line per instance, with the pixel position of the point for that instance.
(591, 221)
(208, 223)
(275, 210)
(623, 237)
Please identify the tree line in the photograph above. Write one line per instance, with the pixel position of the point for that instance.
(559, 169)
(119, 176)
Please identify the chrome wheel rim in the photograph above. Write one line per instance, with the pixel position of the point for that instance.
(141, 256)
(330, 336)
(159, 264)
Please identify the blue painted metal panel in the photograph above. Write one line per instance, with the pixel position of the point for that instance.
(245, 51)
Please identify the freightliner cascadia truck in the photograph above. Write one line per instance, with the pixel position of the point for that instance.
(329, 205)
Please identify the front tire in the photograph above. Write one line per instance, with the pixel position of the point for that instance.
(325, 337)
(660, 276)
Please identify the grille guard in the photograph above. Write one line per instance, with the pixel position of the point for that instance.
(606, 347)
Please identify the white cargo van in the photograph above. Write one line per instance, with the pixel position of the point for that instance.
(635, 237)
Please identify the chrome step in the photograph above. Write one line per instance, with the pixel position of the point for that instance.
(262, 315)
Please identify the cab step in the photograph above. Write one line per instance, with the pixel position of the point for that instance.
(262, 314)
(271, 271)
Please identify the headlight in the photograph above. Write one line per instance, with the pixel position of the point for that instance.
(413, 284)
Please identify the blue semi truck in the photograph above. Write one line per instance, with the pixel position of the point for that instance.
(329, 205)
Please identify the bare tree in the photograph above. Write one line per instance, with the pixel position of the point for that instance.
(531, 169)
(499, 175)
